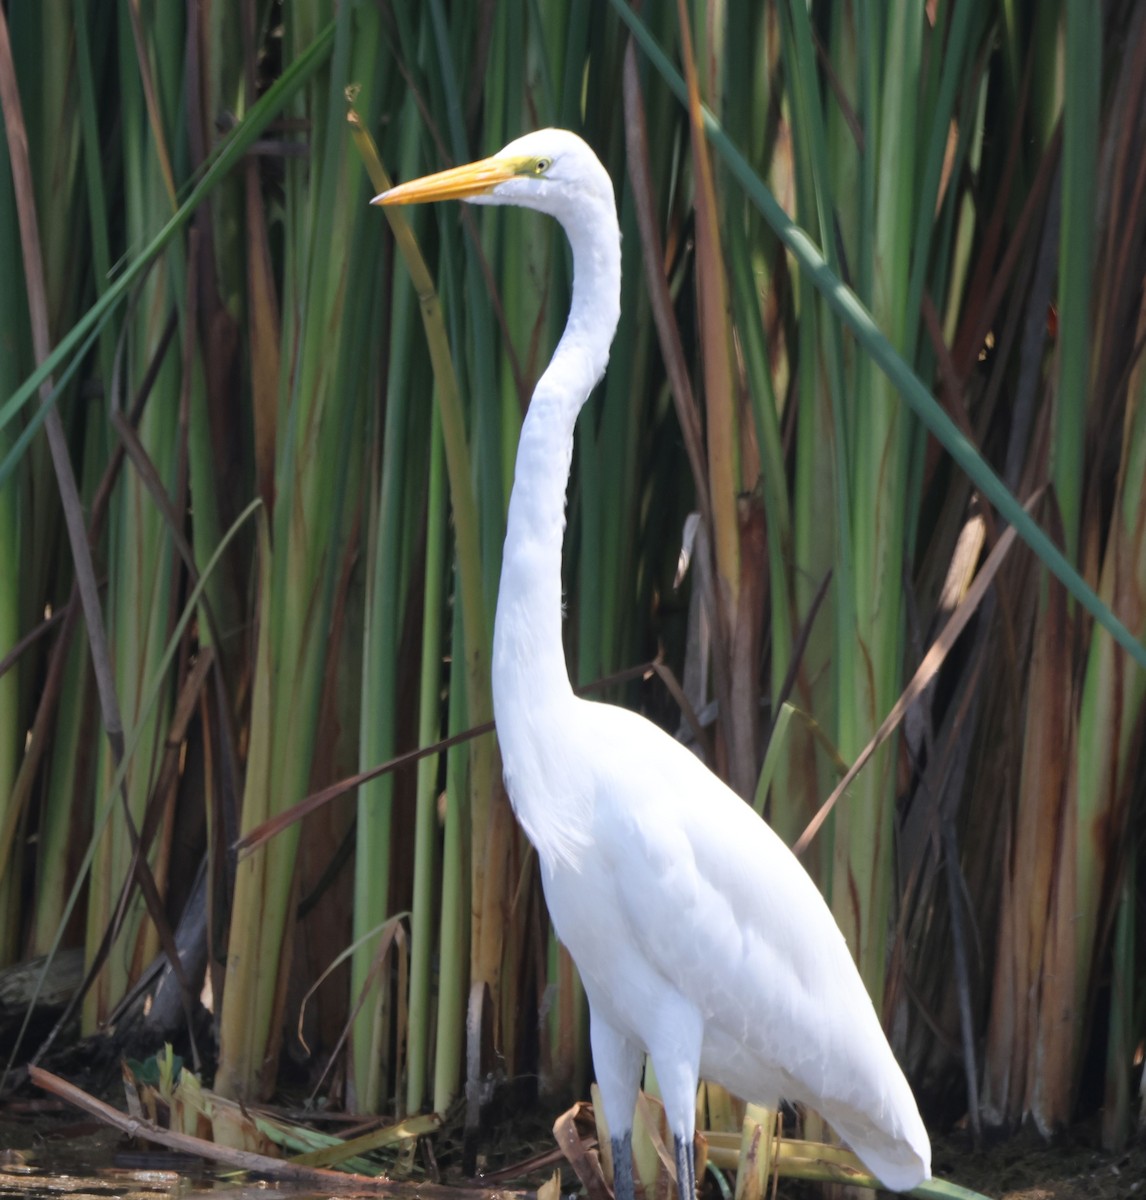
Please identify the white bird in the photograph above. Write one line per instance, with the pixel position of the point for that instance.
(700, 939)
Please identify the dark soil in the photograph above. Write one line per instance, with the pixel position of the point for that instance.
(1025, 1167)
(1020, 1167)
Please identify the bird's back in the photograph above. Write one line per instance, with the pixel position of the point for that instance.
(693, 897)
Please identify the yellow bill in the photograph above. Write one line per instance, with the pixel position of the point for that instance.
(474, 179)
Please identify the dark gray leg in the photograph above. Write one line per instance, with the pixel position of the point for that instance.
(685, 1168)
(623, 1166)
(618, 1063)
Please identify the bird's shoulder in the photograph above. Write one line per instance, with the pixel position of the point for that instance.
(654, 799)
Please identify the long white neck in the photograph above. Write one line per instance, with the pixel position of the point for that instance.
(528, 657)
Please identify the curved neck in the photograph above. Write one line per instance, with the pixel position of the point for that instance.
(528, 656)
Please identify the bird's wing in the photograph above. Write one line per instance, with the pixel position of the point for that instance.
(721, 906)
(724, 912)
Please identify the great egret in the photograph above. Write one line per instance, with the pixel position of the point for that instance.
(700, 939)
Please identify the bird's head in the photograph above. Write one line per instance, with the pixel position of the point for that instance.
(551, 170)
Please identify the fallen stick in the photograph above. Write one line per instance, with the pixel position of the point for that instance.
(338, 1182)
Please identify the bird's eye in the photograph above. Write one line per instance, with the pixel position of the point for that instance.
(541, 165)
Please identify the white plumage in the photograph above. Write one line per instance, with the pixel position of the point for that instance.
(699, 937)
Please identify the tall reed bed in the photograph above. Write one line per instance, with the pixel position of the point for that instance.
(882, 283)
